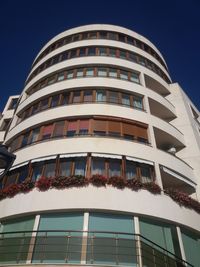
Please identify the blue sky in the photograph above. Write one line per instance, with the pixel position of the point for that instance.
(173, 26)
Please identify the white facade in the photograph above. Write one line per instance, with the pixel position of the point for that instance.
(130, 76)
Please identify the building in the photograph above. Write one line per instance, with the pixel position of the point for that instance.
(107, 157)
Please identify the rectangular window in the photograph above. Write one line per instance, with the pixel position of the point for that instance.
(87, 96)
(102, 51)
(44, 104)
(130, 170)
(133, 57)
(99, 127)
(83, 127)
(65, 167)
(90, 72)
(73, 53)
(122, 54)
(76, 97)
(54, 101)
(80, 164)
(51, 80)
(103, 35)
(128, 130)
(61, 77)
(13, 103)
(72, 127)
(100, 95)
(113, 97)
(37, 170)
(112, 52)
(65, 99)
(34, 135)
(114, 167)
(47, 131)
(123, 75)
(50, 168)
(58, 129)
(126, 100)
(145, 173)
(134, 77)
(137, 102)
(91, 51)
(35, 108)
(141, 61)
(102, 72)
(79, 73)
(141, 133)
(121, 37)
(98, 166)
(92, 35)
(82, 52)
(11, 178)
(113, 73)
(70, 74)
(112, 36)
(23, 174)
(25, 139)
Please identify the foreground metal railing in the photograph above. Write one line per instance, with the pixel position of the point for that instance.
(82, 247)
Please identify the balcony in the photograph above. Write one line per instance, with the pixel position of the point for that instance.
(81, 248)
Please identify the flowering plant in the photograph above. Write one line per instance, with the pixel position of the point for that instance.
(134, 184)
(43, 183)
(117, 181)
(152, 187)
(11, 190)
(98, 180)
(26, 186)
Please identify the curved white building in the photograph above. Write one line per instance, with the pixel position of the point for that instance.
(107, 157)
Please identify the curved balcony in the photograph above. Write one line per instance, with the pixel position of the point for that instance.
(83, 248)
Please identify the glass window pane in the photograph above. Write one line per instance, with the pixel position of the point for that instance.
(141, 61)
(82, 52)
(65, 99)
(72, 126)
(113, 36)
(25, 139)
(114, 167)
(122, 54)
(102, 51)
(134, 78)
(146, 173)
(137, 102)
(126, 99)
(51, 80)
(83, 127)
(98, 166)
(44, 104)
(130, 170)
(123, 75)
(11, 178)
(91, 51)
(90, 72)
(112, 52)
(61, 76)
(73, 53)
(76, 97)
(34, 135)
(37, 170)
(65, 167)
(103, 35)
(70, 74)
(100, 95)
(80, 164)
(49, 170)
(113, 73)
(113, 97)
(87, 96)
(54, 101)
(79, 73)
(132, 57)
(47, 131)
(58, 129)
(102, 72)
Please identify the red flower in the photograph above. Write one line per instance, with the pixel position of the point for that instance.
(152, 187)
(134, 184)
(117, 181)
(43, 183)
(98, 180)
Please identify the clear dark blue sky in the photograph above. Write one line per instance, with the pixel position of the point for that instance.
(172, 25)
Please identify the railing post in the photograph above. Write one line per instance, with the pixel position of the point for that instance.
(33, 239)
(84, 238)
(137, 241)
(181, 244)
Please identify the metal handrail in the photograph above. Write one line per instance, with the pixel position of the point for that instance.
(136, 237)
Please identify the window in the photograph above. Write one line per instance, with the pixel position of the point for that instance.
(49, 170)
(44, 104)
(76, 97)
(122, 54)
(35, 108)
(55, 101)
(141, 61)
(114, 167)
(134, 77)
(98, 166)
(99, 127)
(61, 76)
(113, 73)
(51, 80)
(87, 96)
(113, 36)
(80, 164)
(123, 75)
(70, 74)
(25, 139)
(114, 128)
(121, 38)
(103, 35)
(126, 99)
(102, 51)
(90, 72)
(130, 170)
(133, 57)
(128, 130)
(82, 52)
(145, 173)
(79, 73)
(23, 174)
(83, 127)
(137, 102)
(65, 167)
(102, 72)
(112, 52)
(37, 170)
(13, 103)
(73, 53)
(47, 131)
(58, 129)
(100, 95)
(113, 97)
(11, 178)
(34, 135)
(72, 126)
(65, 99)
(91, 51)
(92, 35)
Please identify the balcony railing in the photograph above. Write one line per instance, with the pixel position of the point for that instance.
(78, 247)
